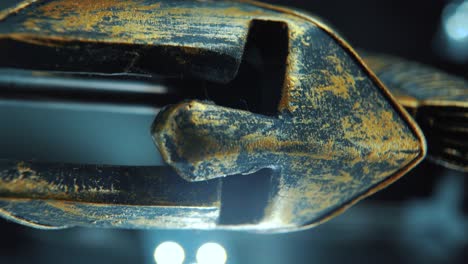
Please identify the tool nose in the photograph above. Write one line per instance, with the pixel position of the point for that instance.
(305, 107)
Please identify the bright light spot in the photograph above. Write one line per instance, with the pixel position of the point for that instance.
(456, 21)
(169, 253)
(211, 253)
(457, 27)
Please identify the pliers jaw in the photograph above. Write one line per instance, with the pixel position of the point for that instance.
(333, 136)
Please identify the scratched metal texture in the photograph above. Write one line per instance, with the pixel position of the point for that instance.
(337, 137)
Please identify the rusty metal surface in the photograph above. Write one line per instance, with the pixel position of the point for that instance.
(438, 101)
(337, 136)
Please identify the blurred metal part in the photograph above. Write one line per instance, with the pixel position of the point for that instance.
(12, 6)
(437, 100)
(435, 228)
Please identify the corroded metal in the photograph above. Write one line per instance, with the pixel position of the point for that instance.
(337, 134)
(438, 101)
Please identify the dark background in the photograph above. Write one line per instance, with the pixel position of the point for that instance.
(420, 219)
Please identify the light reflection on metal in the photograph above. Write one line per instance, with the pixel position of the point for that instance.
(211, 253)
(79, 81)
(169, 252)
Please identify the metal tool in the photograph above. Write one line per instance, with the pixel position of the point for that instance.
(438, 101)
(266, 118)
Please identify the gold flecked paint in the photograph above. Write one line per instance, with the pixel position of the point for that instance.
(98, 16)
(29, 183)
(338, 135)
(376, 133)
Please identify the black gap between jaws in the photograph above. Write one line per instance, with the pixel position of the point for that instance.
(256, 88)
(258, 84)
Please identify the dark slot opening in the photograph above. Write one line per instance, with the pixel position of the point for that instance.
(245, 197)
(258, 84)
(445, 130)
(204, 75)
(71, 65)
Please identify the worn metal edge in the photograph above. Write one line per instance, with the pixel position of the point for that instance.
(462, 104)
(16, 8)
(385, 92)
(11, 217)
